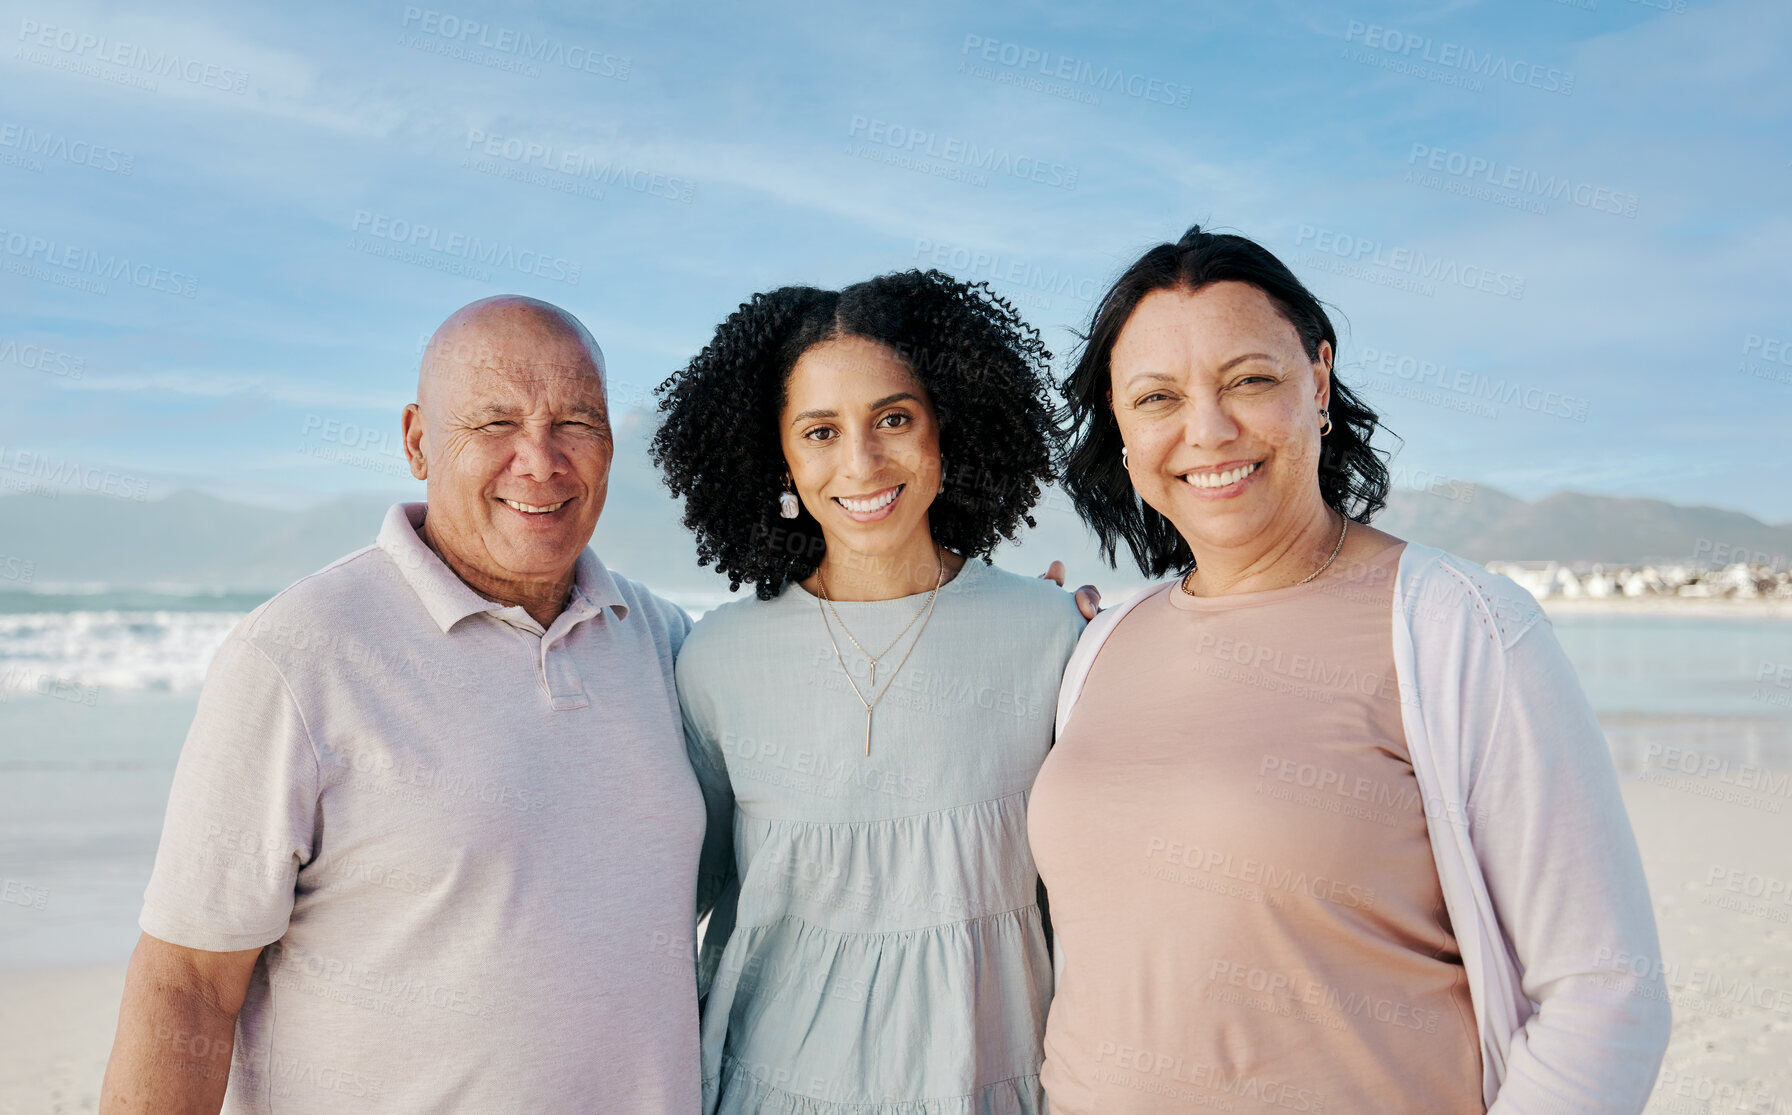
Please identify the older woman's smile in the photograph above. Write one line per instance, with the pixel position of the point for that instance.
(1222, 481)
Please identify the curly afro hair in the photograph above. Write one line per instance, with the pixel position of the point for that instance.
(984, 369)
(1353, 476)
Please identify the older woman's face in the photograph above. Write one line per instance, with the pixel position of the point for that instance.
(1219, 408)
(863, 444)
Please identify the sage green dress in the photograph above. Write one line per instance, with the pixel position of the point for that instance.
(876, 946)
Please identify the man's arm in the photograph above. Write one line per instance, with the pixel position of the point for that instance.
(176, 1027)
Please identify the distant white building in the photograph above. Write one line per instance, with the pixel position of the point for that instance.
(1738, 581)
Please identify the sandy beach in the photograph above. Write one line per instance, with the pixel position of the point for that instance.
(1713, 868)
(56, 1028)
(1727, 947)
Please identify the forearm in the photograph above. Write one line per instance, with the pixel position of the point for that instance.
(1587, 1053)
(172, 1051)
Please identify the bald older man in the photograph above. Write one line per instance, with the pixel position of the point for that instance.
(433, 840)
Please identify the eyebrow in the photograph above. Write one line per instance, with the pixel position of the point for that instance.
(1236, 360)
(1226, 367)
(878, 405)
(491, 411)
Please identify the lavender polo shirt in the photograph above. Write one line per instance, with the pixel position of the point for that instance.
(468, 845)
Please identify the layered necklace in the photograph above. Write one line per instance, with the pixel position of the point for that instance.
(924, 613)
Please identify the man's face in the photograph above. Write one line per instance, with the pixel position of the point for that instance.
(514, 440)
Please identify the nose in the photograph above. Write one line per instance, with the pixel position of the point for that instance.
(1206, 422)
(537, 457)
(865, 454)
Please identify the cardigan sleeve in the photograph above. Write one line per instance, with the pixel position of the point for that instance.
(1562, 869)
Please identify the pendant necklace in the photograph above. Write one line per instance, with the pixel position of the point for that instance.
(1342, 531)
(924, 614)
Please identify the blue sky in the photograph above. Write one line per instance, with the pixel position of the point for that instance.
(1556, 234)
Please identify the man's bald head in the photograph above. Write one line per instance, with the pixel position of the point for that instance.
(508, 333)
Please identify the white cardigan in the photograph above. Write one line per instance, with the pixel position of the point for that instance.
(1539, 867)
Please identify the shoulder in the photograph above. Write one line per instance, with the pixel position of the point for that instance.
(304, 623)
(652, 608)
(724, 630)
(1025, 600)
(1112, 614)
(1437, 589)
(336, 595)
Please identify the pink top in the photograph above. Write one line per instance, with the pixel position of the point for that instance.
(1240, 877)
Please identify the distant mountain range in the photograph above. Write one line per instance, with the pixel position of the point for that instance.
(192, 539)
(1570, 527)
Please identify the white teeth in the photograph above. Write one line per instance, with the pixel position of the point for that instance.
(861, 506)
(1221, 479)
(532, 509)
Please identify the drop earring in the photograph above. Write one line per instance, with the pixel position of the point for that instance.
(1325, 417)
(1124, 463)
(787, 501)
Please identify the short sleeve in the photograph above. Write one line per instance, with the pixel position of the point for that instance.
(241, 814)
(677, 621)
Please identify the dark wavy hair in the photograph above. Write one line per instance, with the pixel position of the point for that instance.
(1353, 477)
(984, 369)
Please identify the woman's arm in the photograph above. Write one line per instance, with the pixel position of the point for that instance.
(718, 885)
(1562, 868)
(715, 866)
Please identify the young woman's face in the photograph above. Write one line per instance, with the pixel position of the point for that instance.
(1219, 404)
(862, 443)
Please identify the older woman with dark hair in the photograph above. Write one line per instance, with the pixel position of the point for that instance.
(1329, 825)
(866, 729)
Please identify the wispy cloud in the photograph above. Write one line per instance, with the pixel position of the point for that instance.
(735, 152)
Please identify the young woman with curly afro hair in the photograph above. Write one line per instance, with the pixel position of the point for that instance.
(866, 726)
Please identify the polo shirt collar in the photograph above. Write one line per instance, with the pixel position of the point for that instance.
(593, 583)
(448, 599)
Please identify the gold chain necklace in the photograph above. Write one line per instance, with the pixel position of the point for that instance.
(869, 657)
(826, 605)
(1342, 531)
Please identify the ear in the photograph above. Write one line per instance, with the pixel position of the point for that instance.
(411, 422)
(1322, 376)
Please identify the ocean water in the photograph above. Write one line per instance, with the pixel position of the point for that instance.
(97, 690)
(1717, 687)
